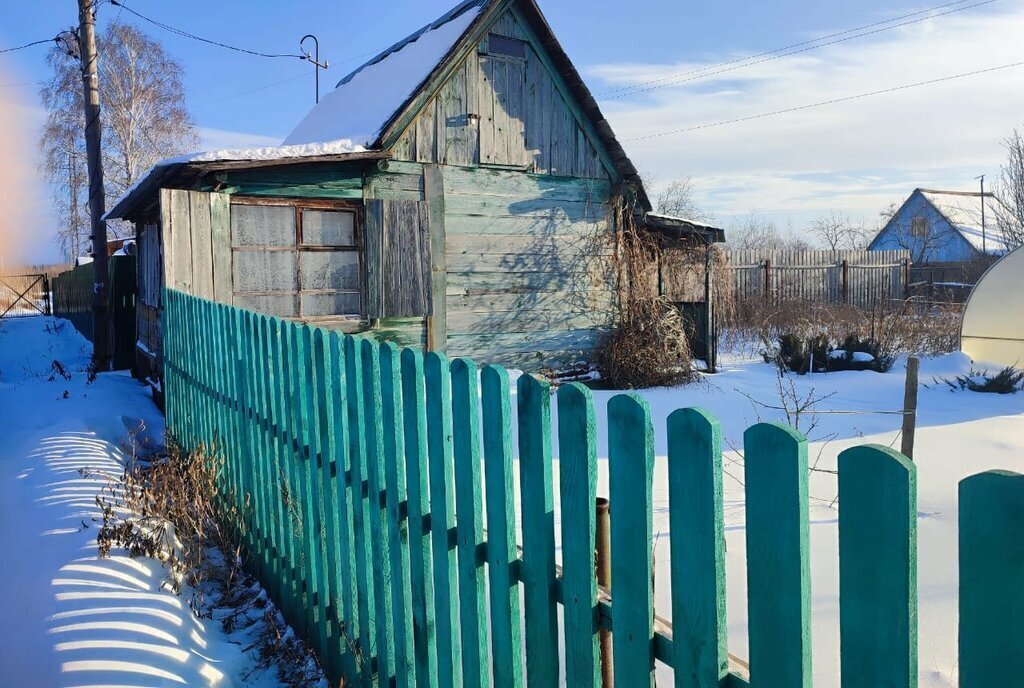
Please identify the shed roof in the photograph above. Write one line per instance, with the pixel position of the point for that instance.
(962, 209)
(681, 227)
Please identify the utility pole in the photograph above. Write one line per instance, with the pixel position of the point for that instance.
(94, 162)
(984, 248)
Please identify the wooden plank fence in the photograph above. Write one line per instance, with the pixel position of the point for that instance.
(365, 474)
(859, 278)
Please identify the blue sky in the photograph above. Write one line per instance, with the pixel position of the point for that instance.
(854, 157)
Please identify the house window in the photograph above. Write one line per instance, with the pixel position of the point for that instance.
(295, 260)
(919, 227)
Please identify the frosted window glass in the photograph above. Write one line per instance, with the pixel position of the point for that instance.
(328, 228)
(262, 225)
(329, 270)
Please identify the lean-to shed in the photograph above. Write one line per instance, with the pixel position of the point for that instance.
(456, 192)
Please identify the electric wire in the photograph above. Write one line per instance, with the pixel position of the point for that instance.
(779, 53)
(28, 45)
(209, 41)
(822, 103)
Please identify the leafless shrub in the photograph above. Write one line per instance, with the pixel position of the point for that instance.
(647, 348)
(168, 506)
(898, 327)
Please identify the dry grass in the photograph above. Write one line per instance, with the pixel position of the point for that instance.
(899, 327)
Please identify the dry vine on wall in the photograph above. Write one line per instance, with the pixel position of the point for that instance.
(647, 345)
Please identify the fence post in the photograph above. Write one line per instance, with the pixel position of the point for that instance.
(910, 407)
(767, 280)
(845, 273)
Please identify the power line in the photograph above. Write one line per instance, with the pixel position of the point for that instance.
(252, 90)
(28, 45)
(825, 102)
(794, 49)
(186, 34)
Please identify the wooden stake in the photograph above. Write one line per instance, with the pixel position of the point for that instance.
(910, 407)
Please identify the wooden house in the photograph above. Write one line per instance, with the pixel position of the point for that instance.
(457, 192)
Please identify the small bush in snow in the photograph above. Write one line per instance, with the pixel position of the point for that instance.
(801, 354)
(1007, 381)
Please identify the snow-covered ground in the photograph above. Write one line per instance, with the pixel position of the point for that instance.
(69, 617)
(76, 620)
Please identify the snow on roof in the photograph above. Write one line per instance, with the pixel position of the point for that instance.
(364, 101)
(963, 210)
(307, 150)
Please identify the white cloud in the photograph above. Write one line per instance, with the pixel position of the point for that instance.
(855, 157)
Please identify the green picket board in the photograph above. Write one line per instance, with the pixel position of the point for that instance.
(337, 394)
(697, 549)
(309, 489)
(442, 517)
(991, 571)
(366, 608)
(327, 500)
(877, 568)
(397, 527)
(259, 377)
(274, 485)
(506, 655)
(294, 608)
(540, 621)
(421, 582)
(381, 546)
(631, 474)
(577, 471)
(778, 561)
(470, 526)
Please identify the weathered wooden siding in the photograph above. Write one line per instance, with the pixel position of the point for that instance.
(529, 277)
(505, 112)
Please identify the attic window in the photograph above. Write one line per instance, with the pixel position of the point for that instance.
(919, 227)
(506, 47)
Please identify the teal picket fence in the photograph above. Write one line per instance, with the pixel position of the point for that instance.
(367, 473)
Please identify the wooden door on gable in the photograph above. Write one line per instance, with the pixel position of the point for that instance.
(502, 93)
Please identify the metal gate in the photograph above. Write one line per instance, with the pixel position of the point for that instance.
(22, 295)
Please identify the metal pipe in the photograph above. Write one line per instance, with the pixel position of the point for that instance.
(603, 567)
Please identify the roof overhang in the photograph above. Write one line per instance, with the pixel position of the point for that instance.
(682, 228)
(178, 174)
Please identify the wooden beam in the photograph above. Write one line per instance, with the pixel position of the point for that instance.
(437, 321)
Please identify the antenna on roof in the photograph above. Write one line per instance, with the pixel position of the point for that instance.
(315, 60)
(984, 249)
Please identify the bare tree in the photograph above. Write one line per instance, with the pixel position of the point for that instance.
(677, 200)
(1010, 190)
(144, 120)
(837, 232)
(887, 213)
(756, 232)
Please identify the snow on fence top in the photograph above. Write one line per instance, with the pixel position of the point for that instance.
(365, 100)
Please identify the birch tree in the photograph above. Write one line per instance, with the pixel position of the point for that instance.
(144, 121)
(1010, 190)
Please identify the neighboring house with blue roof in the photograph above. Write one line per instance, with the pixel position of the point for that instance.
(458, 192)
(946, 227)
